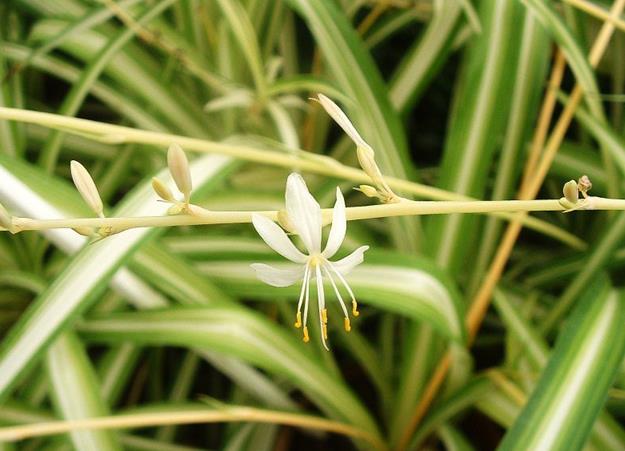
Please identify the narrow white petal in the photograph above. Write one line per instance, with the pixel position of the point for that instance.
(275, 237)
(304, 212)
(341, 118)
(339, 226)
(277, 277)
(345, 265)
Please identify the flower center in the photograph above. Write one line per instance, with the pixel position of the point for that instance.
(315, 260)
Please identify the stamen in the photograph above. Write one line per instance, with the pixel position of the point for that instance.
(324, 315)
(347, 324)
(306, 337)
(322, 303)
(355, 311)
(336, 291)
(298, 321)
(307, 296)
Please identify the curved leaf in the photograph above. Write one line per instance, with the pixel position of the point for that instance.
(410, 286)
(571, 391)
(241, 333)
(87, 274)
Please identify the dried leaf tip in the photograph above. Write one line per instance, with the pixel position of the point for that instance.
(86, 187)
(179, 169)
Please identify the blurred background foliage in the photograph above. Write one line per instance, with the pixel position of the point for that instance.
(451, 94)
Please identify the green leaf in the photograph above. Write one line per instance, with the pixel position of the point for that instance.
(240, 333)
(359, 78)
(571, 391)
(410, 286)
(86, 275)
(76, 392)
(480, 109)
(426, 56)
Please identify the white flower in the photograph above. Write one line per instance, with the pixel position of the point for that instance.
(304, 214)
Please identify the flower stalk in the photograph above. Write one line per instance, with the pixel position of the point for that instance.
(303, 161)
(403, 208)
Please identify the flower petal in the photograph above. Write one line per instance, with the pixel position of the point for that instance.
(339, 226)
(277, 277)
(304, 212)
(345, 265)
(275, 237)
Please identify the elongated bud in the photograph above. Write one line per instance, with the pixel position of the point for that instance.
(366, 158)
(342, 120)
(570, 191)
(367, 162)
(86, 187)
(5, 218)
(179, 168)
(162, 191)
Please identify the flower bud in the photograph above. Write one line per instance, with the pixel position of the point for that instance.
(341, 119)
(584, 185)
(162, 191)
(86, 187)
(368, 191)
(570, 191)
(366, 158)
(179, 169)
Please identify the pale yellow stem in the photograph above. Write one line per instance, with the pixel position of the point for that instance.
(229, 414)
(403, 208)
(298, 160)
(598, 12)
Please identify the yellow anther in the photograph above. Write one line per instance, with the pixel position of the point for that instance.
(324, 315)
(298, 321)
(355, 311)
(324, 329)
(306, 337)
(347, 324)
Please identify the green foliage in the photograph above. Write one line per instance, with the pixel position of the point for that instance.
(448, 93)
